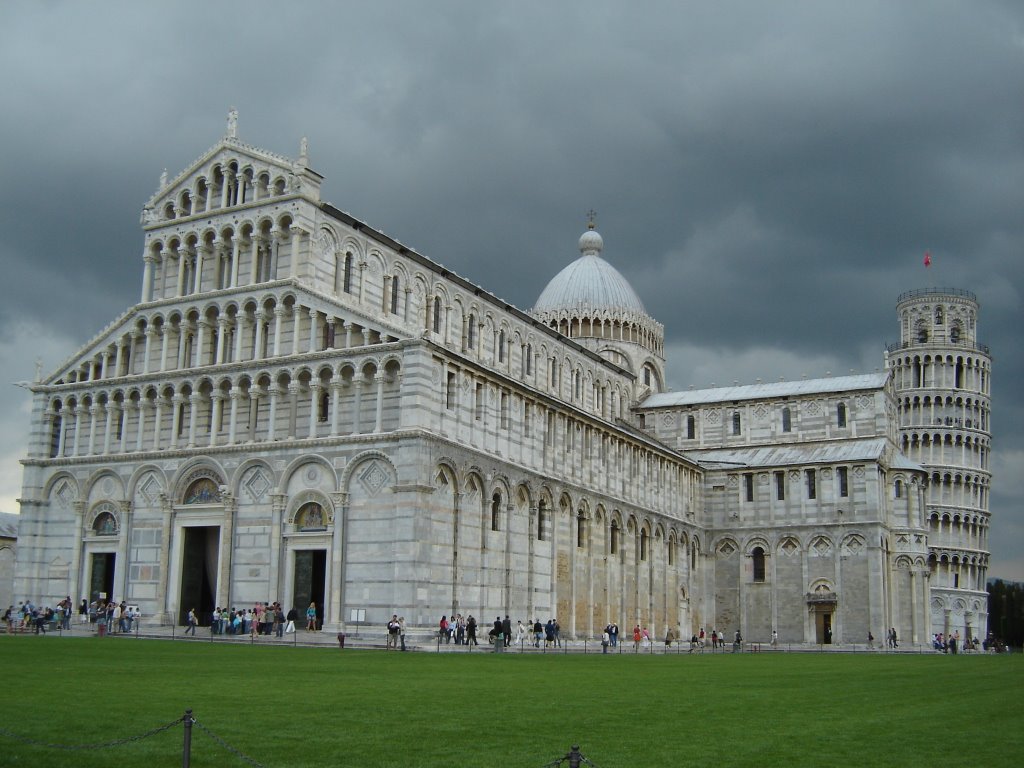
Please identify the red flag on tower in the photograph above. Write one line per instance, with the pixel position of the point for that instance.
(927, 259)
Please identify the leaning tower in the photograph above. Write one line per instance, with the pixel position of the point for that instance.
(943, 384)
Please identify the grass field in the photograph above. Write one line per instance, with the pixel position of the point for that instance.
(320, 706)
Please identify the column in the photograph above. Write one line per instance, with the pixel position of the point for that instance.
(234, 394)
(296, 327)
(182, 261)
(257, 345)
(147, 277)
(241, 323)
(335, 405)
(158, 422)
(177, 400)
(79, 412)
(198, 283)
(279, 313)
(255, 393)
(108, 426)
(165, 556)
(348, 334)
(147, 348)
(379, 415)
(275, 247)
(227, 548)
(143, 407)
(165, 334)
(218, 409)
(296, 241)
(236, 255)
(359, 383)
(293, 406)
(93, 412)
(75, 574)
(222, 334)
(204, 326)
(193, 401)
(314, 326)
(314, 407)
(65, 415)
(337, 560)
(126, 416)
(271, 427)
(105, 368)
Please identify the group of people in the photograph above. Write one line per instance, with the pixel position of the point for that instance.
(268, 619)
(396, 632)
(457, 629)
(108, 616)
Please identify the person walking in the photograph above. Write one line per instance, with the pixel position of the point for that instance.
(293, 616)
(190, 622)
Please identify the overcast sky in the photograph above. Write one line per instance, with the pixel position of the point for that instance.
(768, 176)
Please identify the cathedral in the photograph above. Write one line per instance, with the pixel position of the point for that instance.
(301, 408)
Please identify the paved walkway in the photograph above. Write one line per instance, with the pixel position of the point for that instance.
(427, 642)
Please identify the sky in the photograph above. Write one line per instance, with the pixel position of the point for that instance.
(768, 176)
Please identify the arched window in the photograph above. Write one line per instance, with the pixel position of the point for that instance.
(616, 533)
(581, 530)
(347, 282)
(471, 332)
(496, 512)
(542, 519)
(787, 420)
(501, 346)
(647, 376)
(528, 360)
(954, 334)
(55, 429)
(899, 489)
(437, 314)
(395, 291)
(643, 544)
(691, 427)
(324, 410)
(671, 551)
(938, 315)
(736, 424)
(758, 557)
(841, 415)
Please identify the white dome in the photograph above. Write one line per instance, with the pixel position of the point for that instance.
(589, 282)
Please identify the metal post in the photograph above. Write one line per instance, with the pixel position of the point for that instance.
(186, 754)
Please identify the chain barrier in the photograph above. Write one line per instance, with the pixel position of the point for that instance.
(573, 757)
(102, 745)
(225, 745)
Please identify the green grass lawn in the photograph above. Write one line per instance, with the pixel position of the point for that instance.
(287, 706)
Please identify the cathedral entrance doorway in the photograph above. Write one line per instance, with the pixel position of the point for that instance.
(823, 627)
(199, 557)
(309, 582)
(101, 576)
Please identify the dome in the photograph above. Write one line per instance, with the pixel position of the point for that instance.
(589, 282)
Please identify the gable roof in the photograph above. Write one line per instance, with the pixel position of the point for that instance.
(767, 391)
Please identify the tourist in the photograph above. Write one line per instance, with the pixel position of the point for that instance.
(636, 637)
(190, 622)
(471, 631)
(293, 616)
(558, 633)
(442, 629)
(538, 633)
(520, 633)
(401, 631)
(506, 631)
(393, 630)
(775, 639)
(311, 618)
(647, 638)
(606, 639)
(737, 642)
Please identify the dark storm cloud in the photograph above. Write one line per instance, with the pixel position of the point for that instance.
(767, 175)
